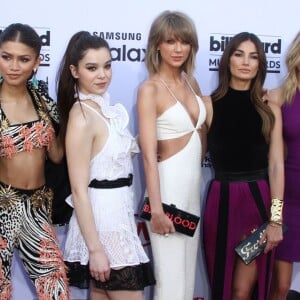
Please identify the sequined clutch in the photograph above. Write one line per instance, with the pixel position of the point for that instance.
(184, 222)
(250, 248)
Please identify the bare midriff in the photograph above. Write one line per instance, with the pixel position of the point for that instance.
(25, 170)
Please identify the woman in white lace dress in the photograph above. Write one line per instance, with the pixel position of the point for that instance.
(102, 250)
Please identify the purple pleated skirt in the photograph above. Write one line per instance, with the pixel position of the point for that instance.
(233, 210)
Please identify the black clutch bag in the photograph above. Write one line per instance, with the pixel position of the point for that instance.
(250, 248)
(184, 222)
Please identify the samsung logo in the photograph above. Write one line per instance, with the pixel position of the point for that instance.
(119, 36)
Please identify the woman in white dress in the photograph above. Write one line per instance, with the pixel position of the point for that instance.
(102, 249)
(170, 114)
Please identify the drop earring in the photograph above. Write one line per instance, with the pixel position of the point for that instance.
(157, 57)
(34, 79)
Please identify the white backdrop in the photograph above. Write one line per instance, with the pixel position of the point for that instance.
(125, 25)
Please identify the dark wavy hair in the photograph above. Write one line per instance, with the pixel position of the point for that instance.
(256, 86)
(66, 84)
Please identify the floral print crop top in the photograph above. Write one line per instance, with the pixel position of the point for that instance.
(30, 135)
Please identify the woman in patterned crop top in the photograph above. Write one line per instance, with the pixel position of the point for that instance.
(26, 138)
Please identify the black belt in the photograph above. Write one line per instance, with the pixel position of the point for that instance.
(111, 184)
(246, 176)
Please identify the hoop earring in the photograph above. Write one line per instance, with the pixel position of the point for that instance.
(1, 78)
(34, 79)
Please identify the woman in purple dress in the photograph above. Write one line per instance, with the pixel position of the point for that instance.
(288, 96)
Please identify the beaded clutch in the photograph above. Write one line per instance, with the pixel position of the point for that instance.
(250, 248)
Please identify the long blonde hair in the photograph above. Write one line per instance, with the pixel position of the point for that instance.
(292, 61)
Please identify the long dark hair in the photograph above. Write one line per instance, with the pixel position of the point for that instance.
(77, 47)
(22, 33)
(256, 86)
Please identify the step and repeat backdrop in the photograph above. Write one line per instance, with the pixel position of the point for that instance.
(125, 25)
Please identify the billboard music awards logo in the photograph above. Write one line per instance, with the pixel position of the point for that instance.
(124, 51)
(45, 36)
(272, 47)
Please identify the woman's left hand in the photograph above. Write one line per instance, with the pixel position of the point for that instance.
(272, 236)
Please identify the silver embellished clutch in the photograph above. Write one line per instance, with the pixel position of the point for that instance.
(250, 248)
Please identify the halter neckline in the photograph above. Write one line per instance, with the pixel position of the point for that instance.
(101, 100)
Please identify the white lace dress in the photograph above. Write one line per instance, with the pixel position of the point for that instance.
(113, 208)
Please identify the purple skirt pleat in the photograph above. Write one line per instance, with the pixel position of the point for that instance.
(233, 210)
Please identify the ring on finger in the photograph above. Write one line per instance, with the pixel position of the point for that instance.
(166, 234)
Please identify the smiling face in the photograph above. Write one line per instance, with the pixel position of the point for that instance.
(174, 52)
(94, 71)
(17, 62)
(243, 64)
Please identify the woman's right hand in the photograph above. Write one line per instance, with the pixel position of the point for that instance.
(99, 265)
(161, 224)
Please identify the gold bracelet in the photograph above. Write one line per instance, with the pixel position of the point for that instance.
(275, 224)
(276, 211)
